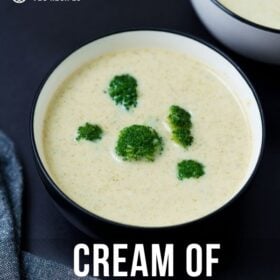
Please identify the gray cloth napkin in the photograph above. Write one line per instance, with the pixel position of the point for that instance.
(15, 264)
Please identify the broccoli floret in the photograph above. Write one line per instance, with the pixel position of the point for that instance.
(139, 142)
(189, 169)
(181, 124)
(182, 136)
(178, 117)
(90, 132)
(123, 90)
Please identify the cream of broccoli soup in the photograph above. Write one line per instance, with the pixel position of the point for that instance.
(265, 13)
(194, 136)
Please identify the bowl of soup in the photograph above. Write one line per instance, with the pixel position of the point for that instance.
(145, 129)
(251, 27)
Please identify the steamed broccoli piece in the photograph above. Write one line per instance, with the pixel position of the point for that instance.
(89, 132)
(178, 117)
(187, 169)
(139, 142)
(123, 90)
(182, 136)
(181, 124)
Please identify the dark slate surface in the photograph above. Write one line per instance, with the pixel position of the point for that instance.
(35, 35)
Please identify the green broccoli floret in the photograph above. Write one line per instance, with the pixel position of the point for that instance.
(90, 132)
(189, 169)
(182, 136)
(123, 90)
(181, 124)
(139, 142)
(178, 117)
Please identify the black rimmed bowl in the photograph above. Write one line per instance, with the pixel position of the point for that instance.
(239, 34)
(231, 74)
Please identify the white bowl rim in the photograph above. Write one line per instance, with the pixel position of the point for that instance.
(50, 181)
(243, 19)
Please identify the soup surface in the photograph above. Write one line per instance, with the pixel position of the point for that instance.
(265, 13)
(147, 193)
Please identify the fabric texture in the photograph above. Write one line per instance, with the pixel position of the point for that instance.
(15, 264)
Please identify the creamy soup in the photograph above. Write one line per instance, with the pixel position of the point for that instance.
(147, 193)
(263, 12)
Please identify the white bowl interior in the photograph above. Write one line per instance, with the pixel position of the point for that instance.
(155, 39)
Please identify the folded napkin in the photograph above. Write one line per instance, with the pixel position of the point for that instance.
(15, 264)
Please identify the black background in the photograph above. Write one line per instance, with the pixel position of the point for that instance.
(36, 35)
